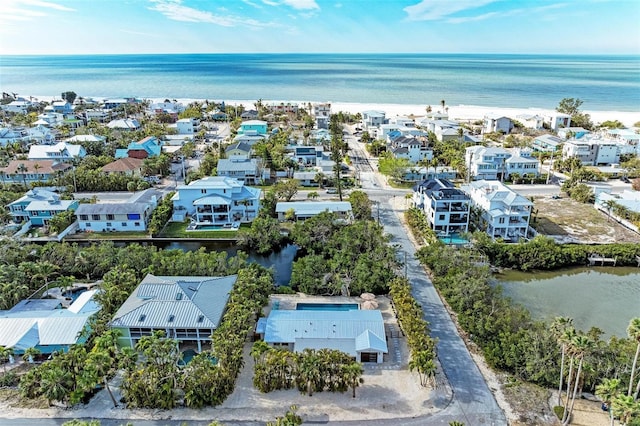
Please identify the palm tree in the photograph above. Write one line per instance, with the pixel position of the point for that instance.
(422, 362)
(312, 195)
(320, 177)
(30, 354)
(607, 391)
(579, 346)
(442, 102)
(633, 330)
(352, 374)
(562, 329)
(625, 408)
(258, 349)
(5, 356)
(22, 169)
(609, 205)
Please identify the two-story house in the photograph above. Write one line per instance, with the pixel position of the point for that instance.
(148, 147)
(238, 148)
(131, 215)
(371, 119)
(504, 213)
(27, 172)
(446, 207)
(547, 143)
(216, 201)
(592, 151)
(321, 113)
(491, 163)
(241, 168)
(62, 107)
(38, 206)
(497, 123)
(188, 126)
(410, 148)
(60, 152)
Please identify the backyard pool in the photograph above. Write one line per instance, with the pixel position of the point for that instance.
(453, 239)
(327, 306)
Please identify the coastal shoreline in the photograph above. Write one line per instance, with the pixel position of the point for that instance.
(455, 112)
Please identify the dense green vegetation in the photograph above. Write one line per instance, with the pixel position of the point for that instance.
(508, 337)
(544, 253)
(339, 258)
(161, 214)
(310, 370)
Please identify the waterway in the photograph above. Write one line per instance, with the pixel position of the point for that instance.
(280, 261)
(603, 297)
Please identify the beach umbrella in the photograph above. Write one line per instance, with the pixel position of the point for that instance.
(370, 305)
(367, 296)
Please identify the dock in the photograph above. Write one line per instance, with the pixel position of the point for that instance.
(597, 259)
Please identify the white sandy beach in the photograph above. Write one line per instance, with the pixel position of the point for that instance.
(456, 112)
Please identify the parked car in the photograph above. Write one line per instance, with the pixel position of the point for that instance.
(332, 191)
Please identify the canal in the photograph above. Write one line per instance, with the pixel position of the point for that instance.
(603, 297)
(280, 261)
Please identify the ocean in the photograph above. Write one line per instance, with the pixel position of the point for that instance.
(605, 83)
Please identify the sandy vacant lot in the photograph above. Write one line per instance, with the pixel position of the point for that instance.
(570, 221)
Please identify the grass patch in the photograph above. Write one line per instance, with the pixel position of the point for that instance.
(548, 227)
(112, 235)
(401, 185)
(179, 230)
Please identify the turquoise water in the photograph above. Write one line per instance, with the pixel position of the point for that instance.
(454, 239)
(603, 297)
(327, 306)
(603, 82)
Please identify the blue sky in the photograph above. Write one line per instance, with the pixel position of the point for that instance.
(228, 26)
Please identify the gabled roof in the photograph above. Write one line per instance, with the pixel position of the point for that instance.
(233, 165)
(368, 341)
(290, 326)
(44, 167)
(176, 302)
(241, 146)
(122, 165)
(126, 124)
(67, 150)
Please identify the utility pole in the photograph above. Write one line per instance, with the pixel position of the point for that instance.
(550, 168)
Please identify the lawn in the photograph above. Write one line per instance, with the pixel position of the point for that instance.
(179, 230)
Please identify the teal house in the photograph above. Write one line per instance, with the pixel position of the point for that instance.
(38, 206)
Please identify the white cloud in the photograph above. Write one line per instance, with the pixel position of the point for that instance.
(431, 10)
(174, 10)
(296, 4)
(26, 10)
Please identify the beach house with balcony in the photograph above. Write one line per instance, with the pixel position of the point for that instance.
(373, 119)
(60, 152)
(557, 120)
(547, 143)
(216, 201)
(188, 126)
(531, 121)
(27, 172)
(592, 151)
(321, 113)
(494, 163)
(505, 214)
(241, 168)
(497, 123)
(447, 208)
(38, 206)
(188, 309)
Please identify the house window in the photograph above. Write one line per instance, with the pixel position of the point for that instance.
(88, 224)
(95, 216)
(441, 217)
(501, 220)
(124, 224)
(84, 217)
(137, 224)
(110, 217)
(203, 191)
(108, 223)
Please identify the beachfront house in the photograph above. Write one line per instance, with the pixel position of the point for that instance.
(131, 215)
(505, 214)
(557, 120)
(531, 121)
(44, 325)
(27, 172)
(497, 123)
(302, 210)
(60, 152)
(447, 208)
(410, 148)
(572, 132)
(216, 201)
(321, 113)
(62, 107)
(188, 309)
(359, 333)
(148, 147)
(17, 107)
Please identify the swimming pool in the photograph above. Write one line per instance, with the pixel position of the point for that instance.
(454, 239)
(327, 306)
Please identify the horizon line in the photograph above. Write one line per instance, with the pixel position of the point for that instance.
(325, 53)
